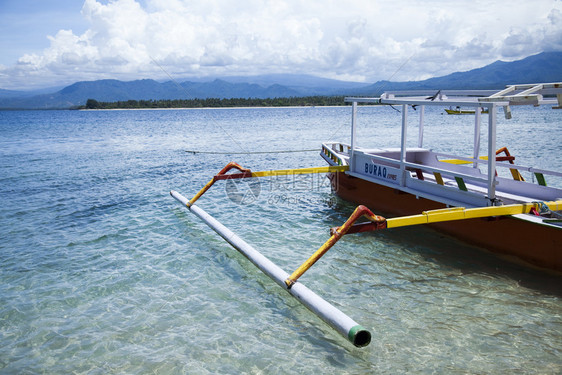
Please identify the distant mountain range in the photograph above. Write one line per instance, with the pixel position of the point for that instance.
(544, 67)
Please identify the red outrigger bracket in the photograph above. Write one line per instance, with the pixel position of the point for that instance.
(245, 172)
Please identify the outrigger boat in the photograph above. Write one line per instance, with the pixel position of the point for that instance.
(458, 111)
(429, 187)
(408, 181)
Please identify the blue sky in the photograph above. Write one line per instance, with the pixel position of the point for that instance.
(24, 25)
(48, 43)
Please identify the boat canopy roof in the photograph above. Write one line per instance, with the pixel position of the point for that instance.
(524, 94)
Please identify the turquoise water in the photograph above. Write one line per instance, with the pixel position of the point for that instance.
(103, 272)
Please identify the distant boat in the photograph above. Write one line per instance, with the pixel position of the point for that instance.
(458, 111)
(411, 180)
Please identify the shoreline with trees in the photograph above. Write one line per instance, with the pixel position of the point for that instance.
(305, 101)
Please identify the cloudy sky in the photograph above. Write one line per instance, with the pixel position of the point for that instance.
(47, 43)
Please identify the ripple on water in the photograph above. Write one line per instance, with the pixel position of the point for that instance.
(103, 272)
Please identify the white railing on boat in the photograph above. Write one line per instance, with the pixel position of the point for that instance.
(530, 173)
(503, 165)
(333, 151)
(396, 164)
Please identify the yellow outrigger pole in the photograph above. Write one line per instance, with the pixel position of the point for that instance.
(247, 173)
(461, 213)
(426, 217)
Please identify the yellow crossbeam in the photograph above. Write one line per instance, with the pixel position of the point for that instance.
(284, 172)
(461, 213)
(246, 173)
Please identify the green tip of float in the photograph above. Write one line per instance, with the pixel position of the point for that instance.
(359, 336)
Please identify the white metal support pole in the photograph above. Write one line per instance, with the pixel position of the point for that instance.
(353, 131)
(477, 122)
(342, 323)
(492, 116)
(403, 145)
(420, 134)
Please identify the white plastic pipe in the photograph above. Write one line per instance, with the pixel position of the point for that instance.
(346, 326)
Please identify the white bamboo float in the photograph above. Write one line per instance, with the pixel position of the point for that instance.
(342, 323)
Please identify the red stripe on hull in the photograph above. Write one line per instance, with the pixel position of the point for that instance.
(539, 245)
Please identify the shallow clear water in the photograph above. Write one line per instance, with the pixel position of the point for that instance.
(103, 272)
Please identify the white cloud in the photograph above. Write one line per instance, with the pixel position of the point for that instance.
(363, 40)
(546, 36)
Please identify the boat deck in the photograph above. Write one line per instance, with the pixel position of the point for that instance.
(459, 181)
